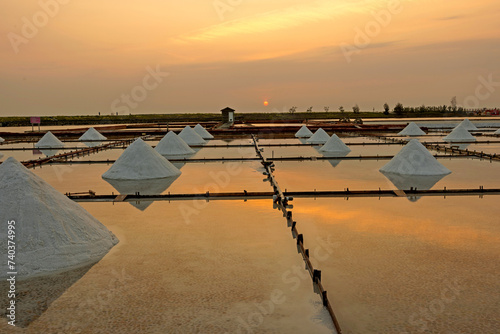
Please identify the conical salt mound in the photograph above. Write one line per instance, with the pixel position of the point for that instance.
(202, 132)
(469, 126)
(335, 145)
(412, 129)
(171, 144)
(52, 233)
(92, 134)
(140, 162)
(49, 140)
(191, 137)
(459, 134)
(303, 132)
(319, 137)
(415, 159)
(1, 140)
(497, 132)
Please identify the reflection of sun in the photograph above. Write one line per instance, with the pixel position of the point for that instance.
(266, 103)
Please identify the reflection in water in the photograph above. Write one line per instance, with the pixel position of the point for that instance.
(34, 295)
(420, 182)
(179, 165)
(335, 162)
(144, 187)
(47, 152)
(92, 143)
(459, 146)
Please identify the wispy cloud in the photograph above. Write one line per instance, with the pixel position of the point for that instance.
(283, 19)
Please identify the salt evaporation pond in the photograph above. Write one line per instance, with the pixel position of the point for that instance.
(429, 266)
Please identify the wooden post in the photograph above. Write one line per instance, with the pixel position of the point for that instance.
(300, 239)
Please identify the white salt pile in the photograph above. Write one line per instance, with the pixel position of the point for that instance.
(92, 134)
(497, 132)
(202, 132)
(172, 145)
(49, 141)
(415, 159)
(335, 145)
(191, 137)
(468, 125)
(411, 129)
(1, 140)
(319, 137)
(303, 132)
(140, 162)
(459, 134)
(52, 233)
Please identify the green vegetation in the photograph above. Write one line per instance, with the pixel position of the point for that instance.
(399, 111)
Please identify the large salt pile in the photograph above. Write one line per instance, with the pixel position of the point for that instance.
(469, 126)
(303, 132)
(412, 129)
(53, 233)
(319, 137)
(172, 145)
(335, 145)
(49, 141)
(459, 134)
(191, 137)
(92, 134)
(202, 132)
(415, 159)
(140, 162)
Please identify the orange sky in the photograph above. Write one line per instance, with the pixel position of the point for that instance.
(85, 57)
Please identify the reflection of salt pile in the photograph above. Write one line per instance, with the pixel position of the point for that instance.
(415, 159)
(303, 132)
(419, 182)
(143, 187)
(468, 125)
(412, 129)
(319, 137)
(140, 162)
(202, 132)
(335, 145)
(459, 134)
(49, 141)
(191, 137)
(172, 145)
(53, 233)
(34, 295)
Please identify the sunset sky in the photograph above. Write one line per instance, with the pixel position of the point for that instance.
(84, 57)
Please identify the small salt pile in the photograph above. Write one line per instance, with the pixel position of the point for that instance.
(319, 137)
(172, 145)
(303, 132)
(468, 125)
(415, 159)
(202, 132)
(92, 134)
(1, 140)
(53, 233)
(49, 141)
(191, 137)
(335, 145)
(140, 162)
(411, 130)
(497, 132)
(459, 134)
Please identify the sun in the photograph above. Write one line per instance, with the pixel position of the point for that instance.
(266, 103)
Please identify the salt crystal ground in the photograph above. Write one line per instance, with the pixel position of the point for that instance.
(390, 265)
